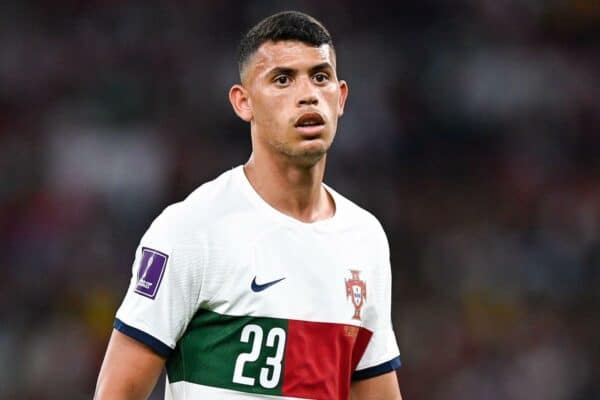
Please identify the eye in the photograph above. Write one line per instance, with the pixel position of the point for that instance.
(282, 80)
(321, 77)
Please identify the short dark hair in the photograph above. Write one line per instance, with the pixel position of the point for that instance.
(286, 25)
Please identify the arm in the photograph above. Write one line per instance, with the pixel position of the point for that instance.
(129, 371)
(382, 387)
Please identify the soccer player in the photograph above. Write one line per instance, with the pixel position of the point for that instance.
(264, 282)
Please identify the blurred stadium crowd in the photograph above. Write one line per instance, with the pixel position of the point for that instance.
(472, 132)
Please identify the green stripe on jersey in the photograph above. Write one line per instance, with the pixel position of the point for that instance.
(238, 353)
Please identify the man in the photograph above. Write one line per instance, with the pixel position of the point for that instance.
(264, 281)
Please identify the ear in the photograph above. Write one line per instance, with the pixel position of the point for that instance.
(238, 96)
(343, 97)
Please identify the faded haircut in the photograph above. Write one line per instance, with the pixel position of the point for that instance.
(286, 25)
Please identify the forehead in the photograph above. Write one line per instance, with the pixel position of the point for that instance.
(289, 54)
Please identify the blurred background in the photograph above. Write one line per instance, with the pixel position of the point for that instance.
(472, 131)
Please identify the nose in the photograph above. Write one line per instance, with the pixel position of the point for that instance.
(307, 94)
(308, 100)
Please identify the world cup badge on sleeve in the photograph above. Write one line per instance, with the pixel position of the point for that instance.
(356, 290)
(150, 273)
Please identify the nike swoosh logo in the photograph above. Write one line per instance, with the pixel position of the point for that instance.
(260, 287)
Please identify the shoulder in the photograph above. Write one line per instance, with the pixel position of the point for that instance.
(357, 217)
(199, 210)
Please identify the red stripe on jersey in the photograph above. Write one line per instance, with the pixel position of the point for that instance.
(320, 358)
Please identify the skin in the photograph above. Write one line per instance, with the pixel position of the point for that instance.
(129, 370)
(280, 83)
(286, 166)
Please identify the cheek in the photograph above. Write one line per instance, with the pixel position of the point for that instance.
(270, 109)
(332, 98)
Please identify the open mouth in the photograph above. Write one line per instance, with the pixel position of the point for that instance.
(310, 123)
(310, 119)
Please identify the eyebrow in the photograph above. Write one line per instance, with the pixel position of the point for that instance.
(321, 67)
(282, 71)
(292, 71)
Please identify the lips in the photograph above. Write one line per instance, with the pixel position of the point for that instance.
(309, 119)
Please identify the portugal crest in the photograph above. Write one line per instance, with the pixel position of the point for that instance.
(357, 291)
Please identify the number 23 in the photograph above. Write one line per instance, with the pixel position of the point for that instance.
(266, 381)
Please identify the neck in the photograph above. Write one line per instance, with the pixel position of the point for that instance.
(294, 190)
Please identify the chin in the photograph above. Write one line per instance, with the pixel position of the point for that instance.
(308, 156)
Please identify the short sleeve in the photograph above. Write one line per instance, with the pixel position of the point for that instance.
(382, 354)
(165, 286)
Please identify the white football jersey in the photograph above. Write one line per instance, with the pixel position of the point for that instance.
(247, 302)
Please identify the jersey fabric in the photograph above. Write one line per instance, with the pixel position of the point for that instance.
(247, 302)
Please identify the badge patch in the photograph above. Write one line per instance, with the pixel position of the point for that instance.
(356, 290)
(152, 268)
